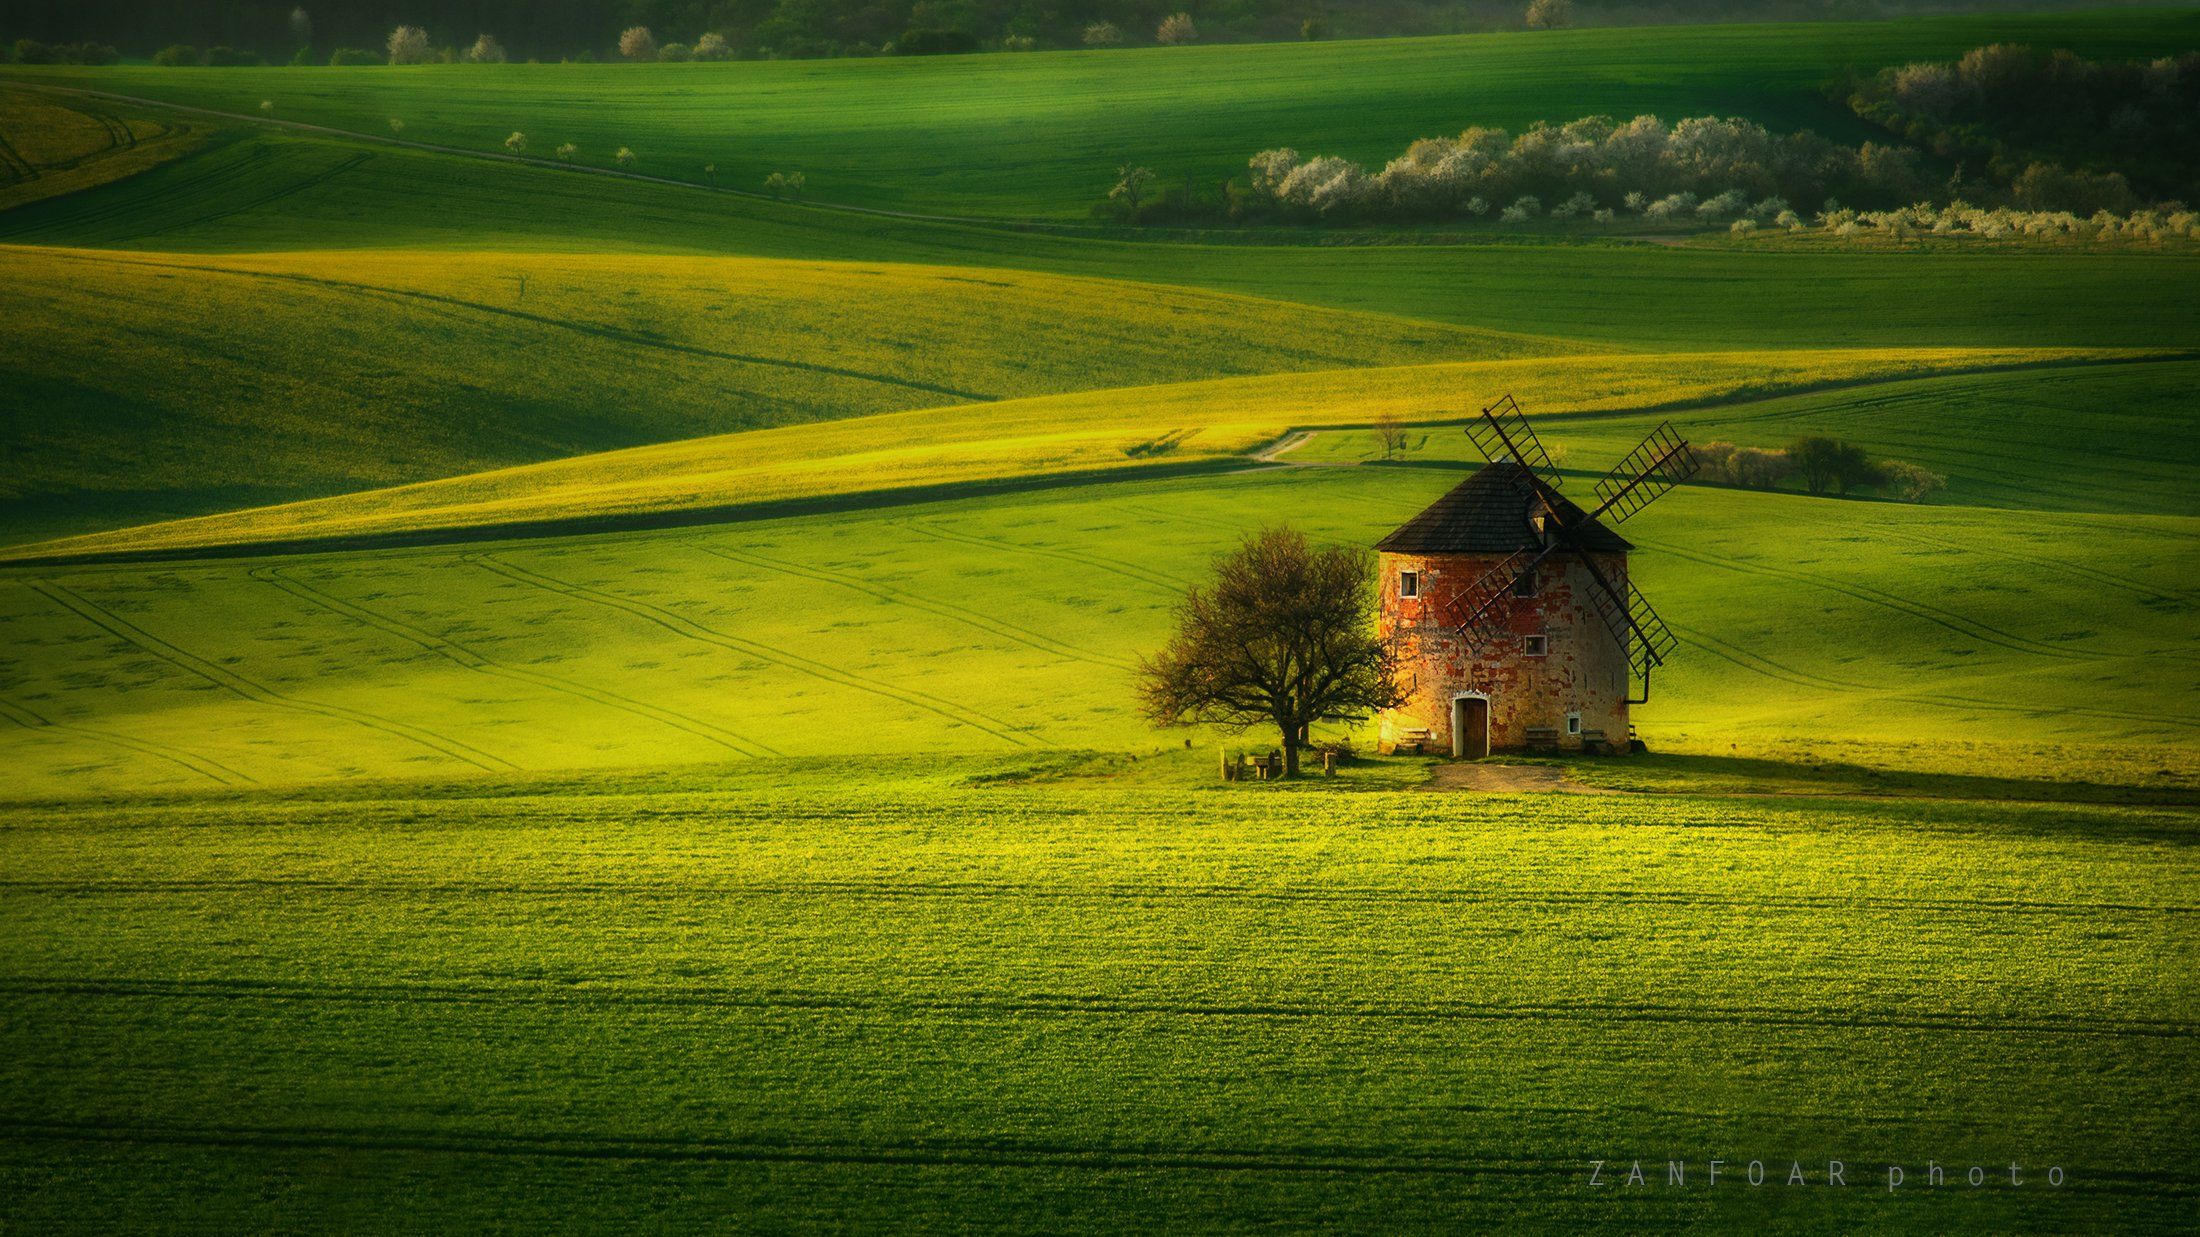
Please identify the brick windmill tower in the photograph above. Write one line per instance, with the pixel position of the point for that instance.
(1520, 628)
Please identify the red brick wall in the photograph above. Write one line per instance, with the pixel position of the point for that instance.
(1584, 669)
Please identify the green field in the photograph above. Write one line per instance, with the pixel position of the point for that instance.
(533, 699)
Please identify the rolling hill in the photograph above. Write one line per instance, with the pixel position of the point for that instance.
(1040, 136)
(152, 385)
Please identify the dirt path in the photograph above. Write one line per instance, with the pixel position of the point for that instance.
(1507, 779)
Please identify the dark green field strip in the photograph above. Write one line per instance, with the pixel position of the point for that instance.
(964, 1006)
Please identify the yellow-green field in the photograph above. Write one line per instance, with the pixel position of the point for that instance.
(533, 699)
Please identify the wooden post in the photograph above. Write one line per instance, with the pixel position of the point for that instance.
(1329, 763)
(1223, 753)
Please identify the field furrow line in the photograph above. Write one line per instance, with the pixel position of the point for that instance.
(248, 689)
(897, 891)
(1969, 628)
(947, 610)
(1727, 650)
(679, 625)
(214, 770)
(2129, 584)
(1073, 1005)
(1128, 571)
(453, 651)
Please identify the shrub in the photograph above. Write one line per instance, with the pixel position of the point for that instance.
(935, 43)
(1019, 43)
(517, 143)
(1726, 205)
(567, 150)
(486, 50)
(31, 51)
(301, 58)
(1714, 461)
(1130, 187)
(348, 57)
(1176, 28)
(675, 53)
(1759, 469)
(397, 124)
(409, 45)
(1550, 14)
(1831, 463)
(1102, 34)
(1670, 207)
(1524, 208)
(176, 54)
(1579, 204)
(233, 57)
(1907, 482)
(624, 157)
(637, 43)
(1742, 227)
(712, 46)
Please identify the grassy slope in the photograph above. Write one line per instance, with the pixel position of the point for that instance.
(284, 193)
(2071, 438)
(154, 385)
(1188, 424)
(2056, 646)
(810, 1002)
(1041, 135)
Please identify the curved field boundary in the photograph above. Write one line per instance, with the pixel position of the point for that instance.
(592, 330)
(214, 770)
(2109, 579)
(1007, 732)
(122, 629)
(451, 650)
(948, 610)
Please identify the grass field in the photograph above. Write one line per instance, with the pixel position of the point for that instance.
(769, 837)
(802, 1001)
(1040, 136)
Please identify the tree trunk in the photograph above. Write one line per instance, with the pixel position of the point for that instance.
(1290, 750)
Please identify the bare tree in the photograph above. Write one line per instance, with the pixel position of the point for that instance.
(1176, 28)
(517, 143)
(637, 43)
(1130, 188)
(1390, 434)
(1550, 14)
(409, 45)
(1284, 637)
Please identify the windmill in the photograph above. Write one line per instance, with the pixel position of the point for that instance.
(1657, 464)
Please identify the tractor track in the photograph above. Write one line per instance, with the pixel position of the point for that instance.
(1728, 651)
(453, 651)
(1128, 571)
(214, 770)
(1010, 1005)
(679, 625)
(2130, 584)
(1969, 628)
(947, 610)
(248, 689)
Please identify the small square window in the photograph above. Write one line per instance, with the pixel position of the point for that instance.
(1535, 646)
(1573, 723)
(1409, 584)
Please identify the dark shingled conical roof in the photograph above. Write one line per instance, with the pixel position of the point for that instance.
(1488, 514)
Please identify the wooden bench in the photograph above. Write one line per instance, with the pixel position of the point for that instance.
(1542, 738)
(1412, 742)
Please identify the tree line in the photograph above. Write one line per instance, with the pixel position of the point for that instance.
(2049, 131)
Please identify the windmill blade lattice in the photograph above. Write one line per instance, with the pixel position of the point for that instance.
(1503, 434)
(1657, 464)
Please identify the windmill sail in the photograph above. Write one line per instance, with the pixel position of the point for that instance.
(1504, 435)
(1656, 465)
